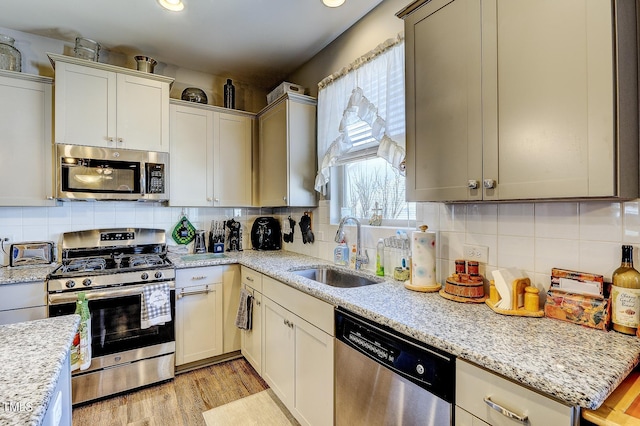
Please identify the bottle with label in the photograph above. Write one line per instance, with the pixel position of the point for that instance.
(625, 295)
(380, 258)
(352, 257)
(341, 254)
(229, 95)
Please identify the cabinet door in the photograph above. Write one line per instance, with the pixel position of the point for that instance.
(252, 339)
(191, 156)
(25, 125)
(443, 101)
(274, 158)
(464, 418)
(143, 114)
(232, 160)
(198, 323)
(474, 384)
(85, 106)
(313, 374)
(278, 355)
(549, 115)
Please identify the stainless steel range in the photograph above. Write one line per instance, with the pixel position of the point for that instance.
(112, 267)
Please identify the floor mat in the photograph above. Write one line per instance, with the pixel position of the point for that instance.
(262, 408)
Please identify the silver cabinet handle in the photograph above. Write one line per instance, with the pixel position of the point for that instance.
(191, 293)
(110, 139)
(257, 302)
(249, 279)
(489, 183)
(507, 413)
(288, 323)
(198, 277)
(472, 184)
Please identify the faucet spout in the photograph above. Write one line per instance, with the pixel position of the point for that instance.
(360, 258)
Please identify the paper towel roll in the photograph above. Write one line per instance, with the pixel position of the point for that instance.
(423, 259)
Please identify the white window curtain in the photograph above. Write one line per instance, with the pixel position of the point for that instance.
(362, 107)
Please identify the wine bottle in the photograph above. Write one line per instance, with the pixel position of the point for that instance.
(625, 294)
(229, 95)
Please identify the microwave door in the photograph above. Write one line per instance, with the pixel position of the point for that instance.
(99, 176)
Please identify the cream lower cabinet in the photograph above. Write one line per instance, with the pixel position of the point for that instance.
(251, 340)
(297, 358)
(211, 156)
(25, 146)
(474, 385)
(497, 109)
(199, 313)
(23, 302)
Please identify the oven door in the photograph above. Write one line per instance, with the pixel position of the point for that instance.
(116, 319)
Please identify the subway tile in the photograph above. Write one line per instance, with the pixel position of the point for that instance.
(557, 220)
(60, 215)
(11, 216)
(556, 253)
(490, 241)
(452, 217)
(482, 219)
(631, 222)
(601, 221)
(516, 252)
(517, 219)
(451, 245)
(598, 257)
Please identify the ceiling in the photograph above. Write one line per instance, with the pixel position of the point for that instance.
(255, 41)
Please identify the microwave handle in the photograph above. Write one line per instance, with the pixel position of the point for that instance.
(143, 179)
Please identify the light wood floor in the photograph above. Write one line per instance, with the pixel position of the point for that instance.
(180, 402)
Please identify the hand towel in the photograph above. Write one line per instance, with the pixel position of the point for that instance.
(156, 305)
(244, 315)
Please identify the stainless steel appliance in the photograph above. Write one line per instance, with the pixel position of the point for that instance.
(112, 266)
(385, 378)
(32, 253)
(92, 173)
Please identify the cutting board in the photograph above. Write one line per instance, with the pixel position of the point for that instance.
(622, 408)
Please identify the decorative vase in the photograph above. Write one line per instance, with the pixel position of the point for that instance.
(10, 57)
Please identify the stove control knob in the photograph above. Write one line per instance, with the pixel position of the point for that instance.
(70, 284)
(86, 282)
(158, 275)
(144, 276)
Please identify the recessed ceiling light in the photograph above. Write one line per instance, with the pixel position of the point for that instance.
(333, 3)
(173, 5)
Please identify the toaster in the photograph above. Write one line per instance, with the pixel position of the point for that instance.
(31, 253)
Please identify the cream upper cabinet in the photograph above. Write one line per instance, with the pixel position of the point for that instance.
(107, 106)
(25, 146)
(534, 99)
(211, 156)
(191, 156)
(287, 152)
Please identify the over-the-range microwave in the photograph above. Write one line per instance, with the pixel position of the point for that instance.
(94, 173)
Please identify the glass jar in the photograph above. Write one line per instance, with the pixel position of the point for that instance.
(10, 57)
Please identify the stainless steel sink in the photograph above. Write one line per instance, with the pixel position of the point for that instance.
(336, 277)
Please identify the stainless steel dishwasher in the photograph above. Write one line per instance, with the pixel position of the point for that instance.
(385, 378)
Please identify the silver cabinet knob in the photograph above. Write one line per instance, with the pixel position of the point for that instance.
(208, 198)
(489, 183)
(472, 184)
(110, 139)
(217, 200)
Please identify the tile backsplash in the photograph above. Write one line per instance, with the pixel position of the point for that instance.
(533, 237)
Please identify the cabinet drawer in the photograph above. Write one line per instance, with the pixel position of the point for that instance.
(252, 279)
(474, 384)
(24, 314)
(22, 295)
(307, 307)
(199, 276)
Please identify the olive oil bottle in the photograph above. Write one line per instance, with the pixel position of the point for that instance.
(625, 295)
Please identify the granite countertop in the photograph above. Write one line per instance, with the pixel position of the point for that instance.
(578, 365)
(32, 355)
(22, 274)
(575, 364)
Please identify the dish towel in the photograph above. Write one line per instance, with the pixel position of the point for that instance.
(156, 305)
(244, 315)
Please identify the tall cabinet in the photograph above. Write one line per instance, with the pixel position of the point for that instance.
(25, 146)
(107, 106)
(211, 156)
(535, 99)
(287, 152)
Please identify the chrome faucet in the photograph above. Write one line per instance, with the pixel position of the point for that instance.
(360, 258)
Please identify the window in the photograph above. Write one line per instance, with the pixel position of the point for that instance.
(361, 136)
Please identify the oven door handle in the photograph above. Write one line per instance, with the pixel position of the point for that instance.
(191, 293)
(133, 290)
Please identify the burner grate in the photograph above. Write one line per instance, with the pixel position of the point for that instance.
(85, 265)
